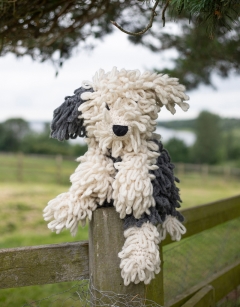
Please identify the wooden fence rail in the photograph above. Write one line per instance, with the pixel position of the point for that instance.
(79, 260)
(205, 170)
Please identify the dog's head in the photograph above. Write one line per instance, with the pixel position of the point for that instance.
(118, 110)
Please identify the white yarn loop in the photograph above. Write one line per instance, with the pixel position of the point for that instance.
(140, 259)
(172, 226)
(87, 84)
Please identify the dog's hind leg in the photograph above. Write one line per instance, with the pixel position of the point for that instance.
(91, 186)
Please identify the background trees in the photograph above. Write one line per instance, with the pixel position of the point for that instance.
(51, 30)
(198, 55)
(179, 150)
(208, 145)
(12, 133)
(217, 140)
(16, 135)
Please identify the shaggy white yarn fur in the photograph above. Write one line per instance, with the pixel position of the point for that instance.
(91, 185)
(172, 226)
(132, 187)
(133, 100)
(140, 259)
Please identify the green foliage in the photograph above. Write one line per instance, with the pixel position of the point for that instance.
(232, 146)
(214, 14)
(51, 30)
(226, 124)
(188, 124)
(228, 152)
(12, 132)
(199, 56)
(16, 135)
(208, 146)
(178, 150)
(42, 144)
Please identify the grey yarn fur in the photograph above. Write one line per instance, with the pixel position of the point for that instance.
(165, 193)
(65, 123)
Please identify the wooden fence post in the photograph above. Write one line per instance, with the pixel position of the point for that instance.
(180, 169)
(105, 241)
(227, 172)
(204, 170)
(59, 168)
(20, 166)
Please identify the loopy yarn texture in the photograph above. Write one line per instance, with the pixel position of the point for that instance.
(125, 165)
(66, 122)
(140, 259)
(172, 226)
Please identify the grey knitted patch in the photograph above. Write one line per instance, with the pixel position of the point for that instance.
(165, 191)
(65, 123)
(153, 218)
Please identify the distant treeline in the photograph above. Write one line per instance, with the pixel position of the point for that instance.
(225, 124)
(16, 135)
(217, 140)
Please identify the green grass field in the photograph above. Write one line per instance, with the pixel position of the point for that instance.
(35, 168)
(21, 206)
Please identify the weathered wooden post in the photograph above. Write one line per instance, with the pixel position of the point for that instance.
(180, 169)
(59, 168)
(20, 166)
(204, 170)
(227, 172)
(105, 241)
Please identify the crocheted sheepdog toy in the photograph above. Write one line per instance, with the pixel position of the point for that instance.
(125, 165)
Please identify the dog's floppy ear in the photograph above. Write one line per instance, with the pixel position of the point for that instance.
(169, 92)
(66, 122)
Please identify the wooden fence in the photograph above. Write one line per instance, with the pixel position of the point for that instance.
(98, 259)
(205, 170)
(33, 167)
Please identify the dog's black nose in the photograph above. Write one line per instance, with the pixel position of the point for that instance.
(120, 130)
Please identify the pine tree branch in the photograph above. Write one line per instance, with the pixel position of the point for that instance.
(145, 29)
(163, 12)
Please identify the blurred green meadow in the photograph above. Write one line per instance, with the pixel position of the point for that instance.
(25, 192)
(22, 204)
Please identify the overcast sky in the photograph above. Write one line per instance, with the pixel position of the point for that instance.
(30, 89)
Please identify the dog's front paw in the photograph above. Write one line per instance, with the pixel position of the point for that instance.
(140, 259)
(66, 212)
(132, 188)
